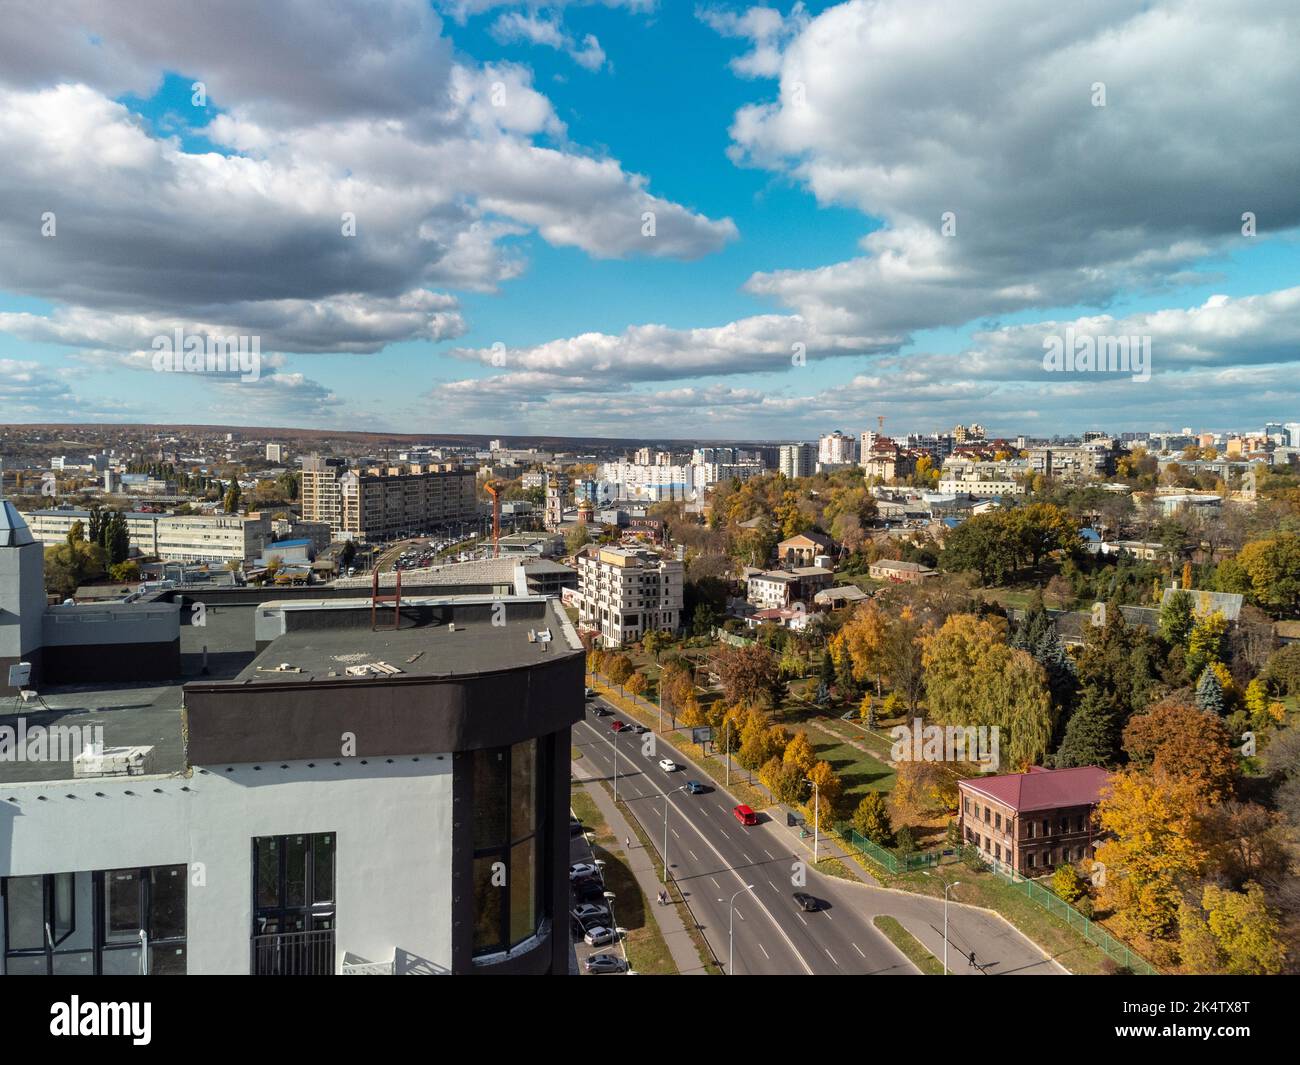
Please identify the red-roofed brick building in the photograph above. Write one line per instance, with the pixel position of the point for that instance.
(1032, 821)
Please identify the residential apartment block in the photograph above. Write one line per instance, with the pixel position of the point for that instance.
(382, 503)
(624, 593)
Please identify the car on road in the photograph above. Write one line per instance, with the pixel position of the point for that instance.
(604, 963)
(667, 765)
(637, 728)
(587, 911)
(601, 711)
(618, 726)
(745, 815)
(694, 787)
(578, 870)
(806, 902)
(599, 936)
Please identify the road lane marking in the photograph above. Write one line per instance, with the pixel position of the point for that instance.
(765, 953)
(718, 854)
(859, 950)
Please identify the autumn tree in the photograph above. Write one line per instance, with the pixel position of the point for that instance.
(1232, 932)
(871, 819)
(751, 675)
(1153, 849)
(1184, 743)
(619, 670)
(824, 799)
(636, 684)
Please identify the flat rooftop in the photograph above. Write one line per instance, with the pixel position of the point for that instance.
(438, 638)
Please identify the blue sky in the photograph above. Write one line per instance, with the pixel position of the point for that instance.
(799, 160)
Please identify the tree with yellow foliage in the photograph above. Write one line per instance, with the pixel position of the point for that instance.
(1155, 848)
(823, 800)
(1231, 932)
(799, 752)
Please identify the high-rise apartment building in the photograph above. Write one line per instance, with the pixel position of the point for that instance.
(797, 460)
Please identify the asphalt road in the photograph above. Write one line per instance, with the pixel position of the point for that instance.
(713, 856)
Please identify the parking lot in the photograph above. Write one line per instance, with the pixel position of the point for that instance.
(588, 911)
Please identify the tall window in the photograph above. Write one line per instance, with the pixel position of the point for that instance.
(509, 813)
(121, 922)
(295, 883)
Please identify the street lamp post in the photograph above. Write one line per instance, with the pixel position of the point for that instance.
(946, 889)
(609, 898)
(817, 815)
(731, 930)
(726, 742)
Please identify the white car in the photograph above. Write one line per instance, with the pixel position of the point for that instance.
(667, 765)
(599, 936)
(581, 869)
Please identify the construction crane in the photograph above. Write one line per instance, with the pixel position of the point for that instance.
(880, 418)
(493, 489)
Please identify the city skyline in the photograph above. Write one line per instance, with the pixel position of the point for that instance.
(497, 219)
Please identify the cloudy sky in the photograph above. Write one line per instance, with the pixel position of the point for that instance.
(647, 218)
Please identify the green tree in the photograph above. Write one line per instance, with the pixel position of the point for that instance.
(1177, 618)
(231, 503)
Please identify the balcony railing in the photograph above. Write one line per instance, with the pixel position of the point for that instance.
(294, 954)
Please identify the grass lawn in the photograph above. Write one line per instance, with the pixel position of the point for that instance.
(860, 772)
(909, 945)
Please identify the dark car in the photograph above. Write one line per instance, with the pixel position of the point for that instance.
(575, 826)
(807, 902)
(694, 787)
(588, 889)
(601, 710)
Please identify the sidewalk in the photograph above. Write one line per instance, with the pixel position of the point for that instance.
(642, 864)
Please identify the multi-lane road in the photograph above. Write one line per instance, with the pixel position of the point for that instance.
(713, 856)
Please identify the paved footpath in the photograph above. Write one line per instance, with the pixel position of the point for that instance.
(642, 864)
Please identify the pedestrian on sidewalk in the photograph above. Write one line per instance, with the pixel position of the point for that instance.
(972, 961)
(627, 842)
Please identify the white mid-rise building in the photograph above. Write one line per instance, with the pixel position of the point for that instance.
(624, 593)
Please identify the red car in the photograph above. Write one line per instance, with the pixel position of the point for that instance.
(745, 815)
(617, 726)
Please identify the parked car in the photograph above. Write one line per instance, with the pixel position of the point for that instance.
(588, 911)
(599, 936)
(604, 963)
(582, 869)
(807, 902)
(745, 815)
(588, 693)
(694, 787)
(588, 889)
(667, 765)
(575, 826)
